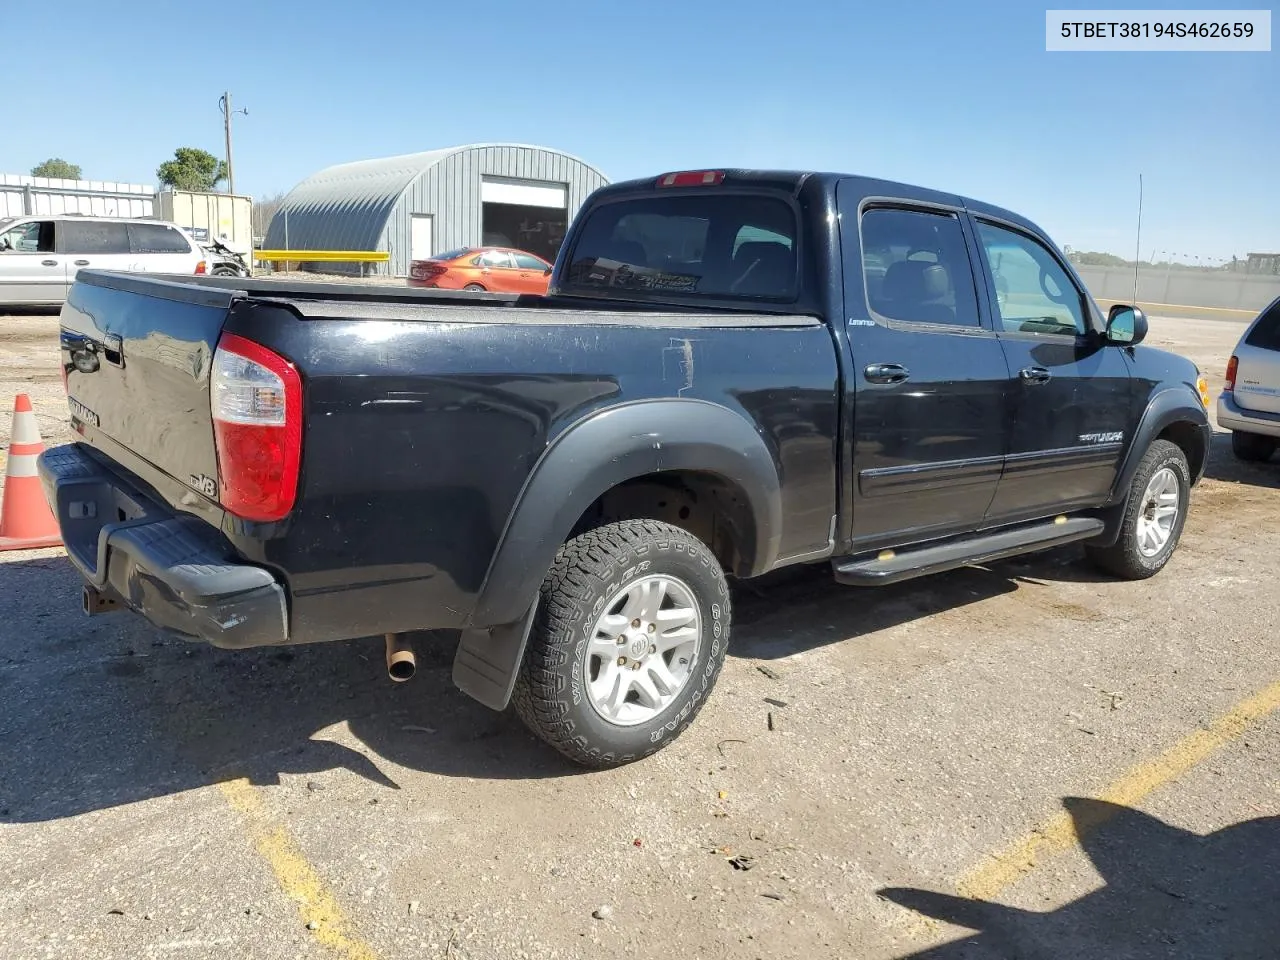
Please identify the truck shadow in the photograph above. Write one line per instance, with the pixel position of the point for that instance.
(1223, 465)
(802, 608)
(102, 712)
(1167, 893)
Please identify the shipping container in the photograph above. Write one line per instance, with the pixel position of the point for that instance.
(208, 216)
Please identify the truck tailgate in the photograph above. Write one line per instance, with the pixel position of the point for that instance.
(137, 354)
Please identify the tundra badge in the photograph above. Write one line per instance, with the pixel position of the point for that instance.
(1101, 437)
(81, 412)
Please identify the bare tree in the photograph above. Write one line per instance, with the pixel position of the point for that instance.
(263, 211)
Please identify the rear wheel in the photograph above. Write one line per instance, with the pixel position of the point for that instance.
(631, 632)
(1252, 447)
(1153, 517)
(474, 286)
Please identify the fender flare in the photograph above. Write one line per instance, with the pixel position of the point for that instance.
(1174, 404)
(1168, 406)
(607, 448)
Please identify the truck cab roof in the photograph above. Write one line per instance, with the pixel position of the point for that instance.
(794, 181)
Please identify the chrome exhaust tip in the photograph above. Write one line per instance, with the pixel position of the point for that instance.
(402, 663)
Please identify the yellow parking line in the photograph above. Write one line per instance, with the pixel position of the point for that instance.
(1020, 858)
(317, 906)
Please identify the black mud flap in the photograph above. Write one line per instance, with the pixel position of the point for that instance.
(487, 661)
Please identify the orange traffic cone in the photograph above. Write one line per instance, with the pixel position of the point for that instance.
(26, 521)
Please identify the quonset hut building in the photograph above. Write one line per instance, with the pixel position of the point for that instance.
(420, 204)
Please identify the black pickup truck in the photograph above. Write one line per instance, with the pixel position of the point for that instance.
(733, 371)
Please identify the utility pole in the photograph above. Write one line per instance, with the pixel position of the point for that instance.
(1137, 253)
(224, 104)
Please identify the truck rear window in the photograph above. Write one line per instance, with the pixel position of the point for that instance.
(727, 247)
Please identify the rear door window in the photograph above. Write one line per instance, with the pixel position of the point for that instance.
(1266, 332)
(493, 258)
(728, 247)
(917, 268)
(156, 238)
(95, 236)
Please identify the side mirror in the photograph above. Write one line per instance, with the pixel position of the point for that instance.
(1126, 325)
(547, 272)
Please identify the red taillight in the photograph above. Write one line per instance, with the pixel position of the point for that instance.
(201, 267)
(256, 399)
(425, 269)
(1232, 364)
(692, 178)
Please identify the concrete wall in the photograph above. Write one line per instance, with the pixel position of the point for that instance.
(1231, 291)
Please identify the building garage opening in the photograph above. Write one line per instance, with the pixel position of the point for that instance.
(528, 214)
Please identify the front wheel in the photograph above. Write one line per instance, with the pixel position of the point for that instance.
(1153, 517)
(630, 635)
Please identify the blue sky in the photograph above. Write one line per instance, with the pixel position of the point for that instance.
(954, 95)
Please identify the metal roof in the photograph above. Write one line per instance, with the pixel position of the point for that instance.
(347, 206)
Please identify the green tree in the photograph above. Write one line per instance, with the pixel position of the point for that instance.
(57, 168)
(192, 169)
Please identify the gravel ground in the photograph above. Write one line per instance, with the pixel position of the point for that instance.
(858, 741)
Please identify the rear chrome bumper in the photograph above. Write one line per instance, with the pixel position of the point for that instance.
(1231, 416)
(175, 570)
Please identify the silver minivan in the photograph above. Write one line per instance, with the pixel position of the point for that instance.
(1249, 405)
(41, 255)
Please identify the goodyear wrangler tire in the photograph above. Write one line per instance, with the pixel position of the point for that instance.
(1159, 496)
(629, 638)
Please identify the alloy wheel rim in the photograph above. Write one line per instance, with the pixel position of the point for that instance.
(642, 650)
(1158, 513)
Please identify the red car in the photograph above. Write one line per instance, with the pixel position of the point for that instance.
(495, 269)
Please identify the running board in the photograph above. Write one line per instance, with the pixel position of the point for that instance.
(891, 566)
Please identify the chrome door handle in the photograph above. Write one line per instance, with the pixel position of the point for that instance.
(1035, 375)
(82, 263)
(885, 372)
(112, 349)
(48, 263)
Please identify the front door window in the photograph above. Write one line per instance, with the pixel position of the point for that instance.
(1033, 292)
(35, 236)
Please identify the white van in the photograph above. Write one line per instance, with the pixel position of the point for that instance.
(41, 255)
